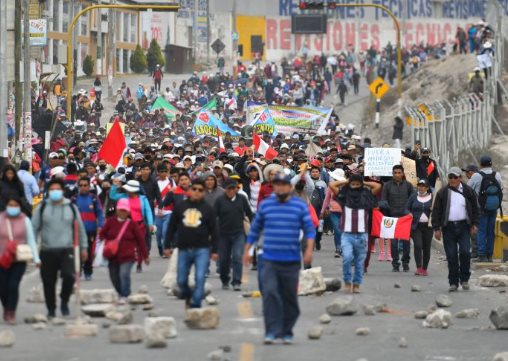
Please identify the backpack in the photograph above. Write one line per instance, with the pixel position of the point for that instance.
(491, 194)
(317, 198)
(43, 205)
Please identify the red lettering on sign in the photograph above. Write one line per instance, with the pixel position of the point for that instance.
(350, 34)
(337, 36)
(420, 33)
(374, 32)
(285, 34)
(271, 34)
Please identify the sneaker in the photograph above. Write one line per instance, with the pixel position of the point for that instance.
(453, 288)
(337, 254)
(88, 278)
(465, 286)
(381, 257)
(225, 286)
(269, 340)
(121, 301)
(389, 259)
(318, 246)
(237, 288)
(64, 308)
(51, 314)
(356, 288)
(288, 340)
(10, 317)
(347, 287)
(405, 268)
(424, 272)
(253, 268)
(419, 272)
(395, 269)
(481, 259)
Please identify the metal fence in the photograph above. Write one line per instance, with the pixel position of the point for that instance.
(452, 128)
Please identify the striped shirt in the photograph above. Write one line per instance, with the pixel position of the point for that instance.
(281, 224)
(354, 220)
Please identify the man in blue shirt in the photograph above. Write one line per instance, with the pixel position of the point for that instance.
(29, 181)
(280, 218)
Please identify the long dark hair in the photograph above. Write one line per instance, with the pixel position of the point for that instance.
(7, 168)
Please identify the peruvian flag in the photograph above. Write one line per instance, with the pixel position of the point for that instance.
(262, 148)
(114, 145)
(222, 148)
(391, 227)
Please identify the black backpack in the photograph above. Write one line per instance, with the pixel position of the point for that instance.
(490, 196)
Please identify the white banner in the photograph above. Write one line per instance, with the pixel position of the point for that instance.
(380, 161)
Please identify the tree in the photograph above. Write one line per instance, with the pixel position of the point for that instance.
(154, 56)
(88, 65)
(138, 60)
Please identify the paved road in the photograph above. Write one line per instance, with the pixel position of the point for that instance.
(241, 323)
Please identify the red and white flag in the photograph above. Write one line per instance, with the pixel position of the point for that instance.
(391, 227)
(261, 147)
(222, 148)
(114, 145)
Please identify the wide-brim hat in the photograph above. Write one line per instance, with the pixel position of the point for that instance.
(270, 168)
(338, 175)
(132, 186)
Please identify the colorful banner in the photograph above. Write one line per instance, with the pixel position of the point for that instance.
(206, 125)
(265, 124)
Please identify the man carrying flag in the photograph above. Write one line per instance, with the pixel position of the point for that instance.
(426, 168)
(261, 147)
(114, 146)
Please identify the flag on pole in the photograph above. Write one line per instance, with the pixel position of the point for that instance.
(222, 148)
(114, 145)
(261, 147)
(391, 227)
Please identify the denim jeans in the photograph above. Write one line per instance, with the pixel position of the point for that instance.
(280, 297)
(486, 233)
(10, 279)
(162, 224)
(457, 243)
(335, 219)
(200, 258)
(230, 254)
(354, 250)
(120, 275)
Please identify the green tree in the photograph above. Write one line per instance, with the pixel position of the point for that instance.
(154, 55)
(138, 60)
(88, 65)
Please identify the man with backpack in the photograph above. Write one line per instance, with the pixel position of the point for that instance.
(57, 221)
(487, 185)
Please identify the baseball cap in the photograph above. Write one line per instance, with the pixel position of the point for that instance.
(423, 182)
(282, 178)
(485, 160)
(454, 171)
(123, 204)
(470, 168)
(218, 164)
(425, 150)
(53, 155)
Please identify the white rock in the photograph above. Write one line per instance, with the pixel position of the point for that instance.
(470, 313)
(211, 301)
(362, 331)
(202, 318)
(443, 301)
(416, 288)
(403, 342)
(421, 315)
(156, 341)
(342, 306)
(499, 317)
(502, 356)
(369, 310)
(311, 282)
(165, 326)
(147, 307)
(333, 284)
(140, 299)
(438, 319)
(143, 289)
(325, 318)
(7, 338)
(95, 296)
(39, 326)
(126, 318)
(114, 315)
(58, 321)
(315, 332)
(217, 355)
(97, 310)
(493, 280)
(37, 318)
(126, 334)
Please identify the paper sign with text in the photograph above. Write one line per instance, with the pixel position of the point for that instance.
(379, 161)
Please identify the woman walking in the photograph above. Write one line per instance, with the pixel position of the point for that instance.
(10, 184)
(420, 204)
(14, 226)
(131, 248)
(332, 208)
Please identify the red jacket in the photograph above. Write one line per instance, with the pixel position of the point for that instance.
(132, 246)
(264, 192)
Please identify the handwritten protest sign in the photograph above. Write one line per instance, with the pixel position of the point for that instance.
(379, 161)
(410, 170)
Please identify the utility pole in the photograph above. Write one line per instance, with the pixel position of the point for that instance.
(111, 50)
(27, 91)
(18, 92)
(3, 79)
(208, 31)
(235, 41)
(99, 42)
(72, 13)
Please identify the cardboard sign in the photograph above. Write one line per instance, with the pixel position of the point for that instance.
(380, 161)
(409, 170)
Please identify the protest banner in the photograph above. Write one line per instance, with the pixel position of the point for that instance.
(409, 170)
(169, 109)
(207, 124)
(265, 124)
(380, 161)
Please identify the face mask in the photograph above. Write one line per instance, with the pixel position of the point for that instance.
(56, 195)
(420, 193)
(13, 211)
(102, 167)
(281, 197)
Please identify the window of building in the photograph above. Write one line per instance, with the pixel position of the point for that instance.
(118, 54)
(65, 15)
(118, 16)
(134, 27)
(55, 52)
(125, 61)
(126, 23)
(56, 15)
(84, 21)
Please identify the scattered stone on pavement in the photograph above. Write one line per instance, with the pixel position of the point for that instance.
(7, 338)
(311, 282)
(416, 288)
(143, 289)
(37, 318)
(202, 318)
(421, 315)
(438, 319)
(114, 315)
(225, 348)
(216, 355)
(147, 307)
(325, 318)
(126, 334)
(431, 308)
(106, 324)
(156, 340)
(369, 310)
(362, 331)
(470, 313)
(403, 342)
(315, 332)
(39, 326)
(396, 285)
(211, 301)
(81, 329)
(502, 356)
(443, 301)
(126, 318)
(58, 321)
(95, 296)
(165, 326)
(381, 308)
(153, 313)
(140, 299)
(342, 306)
(97, 309)
(499, 317)
(493, 280)
(333, 284)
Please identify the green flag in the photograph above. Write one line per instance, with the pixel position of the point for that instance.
(169, 109)
(211, 105)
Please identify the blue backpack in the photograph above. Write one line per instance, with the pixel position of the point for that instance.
(491, 194)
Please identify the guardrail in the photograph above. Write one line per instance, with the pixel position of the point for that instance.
(465, 124)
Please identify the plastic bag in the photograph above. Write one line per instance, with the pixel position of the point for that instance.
(99, 260)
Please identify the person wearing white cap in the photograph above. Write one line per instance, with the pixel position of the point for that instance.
(333, 209)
